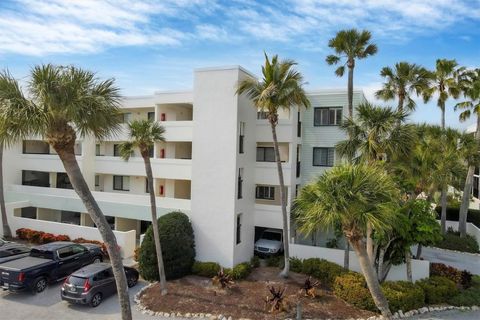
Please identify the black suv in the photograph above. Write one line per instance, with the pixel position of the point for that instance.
(93, 283)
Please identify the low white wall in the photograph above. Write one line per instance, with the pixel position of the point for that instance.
(471, 229)
(420, 268)
(126, 240)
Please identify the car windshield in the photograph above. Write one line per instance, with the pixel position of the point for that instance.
(76, 281)
(272, 236)
(41, 254)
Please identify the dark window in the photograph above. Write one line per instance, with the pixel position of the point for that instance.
(97, 149)
(297, 187)
(241, 137)
(151, 116)
(239, 228)
(77, 281)
(147, 190)
(121, 183)
(35, 147)
(97, 180)
(265, 154)
(265, 192)
(323, 157)
(78, 249)
(299, 125)
(35, 178)
(37, 253)
(240, 183)
(262, 115)
(327, 116)
(65, 252)
(29, 212)
(150, 152)
(63, 182)
(116, 150)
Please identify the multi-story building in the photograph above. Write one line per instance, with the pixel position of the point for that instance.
(216, 165)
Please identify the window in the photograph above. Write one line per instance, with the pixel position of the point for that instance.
(323, 157)
(151, 116)
(327, 116)
(97, 149)
(150, 152)
(97, 180)
(239, 228)
(63, 182)
(241, 137)
(78, 249)
(116, 150)
(35, 147)
(265, 154)
(121, 183)
(35, 178)
(240, 183)
(125, 117)
(262, 115)
(65, 252)
(265, 192)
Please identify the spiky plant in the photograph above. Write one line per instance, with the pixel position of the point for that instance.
(275, 302)
(309, 287)
(223, 280)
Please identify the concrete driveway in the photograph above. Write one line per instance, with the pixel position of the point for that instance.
(462, 261)
(48, 305)
(449, 315)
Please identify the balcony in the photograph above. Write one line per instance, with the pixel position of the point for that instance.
(42, 162)
(178, 130)
(266, 173)
(162, 168)
(113, 204)
(285, 131)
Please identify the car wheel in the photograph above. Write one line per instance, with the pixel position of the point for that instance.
(96, 300)
(97, 260)
(132, 282)
(39, 285)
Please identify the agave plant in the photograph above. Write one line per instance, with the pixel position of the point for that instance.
(223, 280)
(309, 287)
(275, 302)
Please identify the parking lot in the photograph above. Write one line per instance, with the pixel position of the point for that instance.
(48, 305)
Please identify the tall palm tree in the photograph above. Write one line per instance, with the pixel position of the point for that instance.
(143, 136)
(65, 102)
(445, 83)
(350, 45)
(352, 196)
(402, 82)
(280, 88)
(470, 107)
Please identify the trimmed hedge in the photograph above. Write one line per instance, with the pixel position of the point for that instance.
(205, 269)
(178, 248)
(401, 295)
(473, 215)
(438, 289)
(468, 297)
(323, 270)
(463, 279)
(452, 241)
(240, 271)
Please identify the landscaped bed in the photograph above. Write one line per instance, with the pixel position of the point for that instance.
(195, 294)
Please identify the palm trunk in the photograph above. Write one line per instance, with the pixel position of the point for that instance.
(442, 108)
(7, 233)
(350, 92)
(346, 256)
(156, 235)
(371, 279)
(286, 242)
(443, 203)
(419, 251)
(381, 259)
(81, 188)
(408, 262)
(371, 257)
(462, 218)
(401, 98)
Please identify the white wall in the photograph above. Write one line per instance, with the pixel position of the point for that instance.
(420, 268)
(471, 229)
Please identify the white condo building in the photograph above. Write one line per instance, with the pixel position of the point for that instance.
(217, 166)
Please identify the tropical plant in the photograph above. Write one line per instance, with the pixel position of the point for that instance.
(223, 279)
(309, 287)
(280, 88)
(275, 302)
(143, 135)
(350, 45)
(353, 196)
(403, 81)
(471, 91)
(65, 102)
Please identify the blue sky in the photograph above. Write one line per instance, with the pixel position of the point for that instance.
(155, 45)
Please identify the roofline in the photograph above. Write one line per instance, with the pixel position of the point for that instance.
(233, 67)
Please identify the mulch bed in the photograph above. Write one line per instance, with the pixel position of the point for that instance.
(193, 294)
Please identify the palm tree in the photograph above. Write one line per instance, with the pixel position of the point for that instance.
(471, 106)
(65, 102)
(352, 196)
(280, 88)
(143, 135)
(445, 83)
(403, 81)
(350, 45)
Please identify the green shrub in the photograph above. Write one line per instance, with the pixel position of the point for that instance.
(438, 289)
(178, 248)
(205, 269)
(452, 241)
(463, 279)
(452, 215)
(275, 261)
(255, 262)
(403, 295)
(296, 265)
(352, 288)
(468, 297)
(323, 270)
(240, 271)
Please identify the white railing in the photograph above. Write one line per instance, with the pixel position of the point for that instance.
(420, 268)
(266, 173)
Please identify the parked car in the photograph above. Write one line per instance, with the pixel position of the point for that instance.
(47, 263)
(93, 283)
(11, 251)
(269, 243)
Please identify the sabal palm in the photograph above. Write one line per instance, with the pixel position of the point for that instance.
(445, 83)
(471, 91)
(63, 103)
(375, 132)
(280, 88)
(143, 136)
(352, 196)
(350, 45)
(402, 82)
